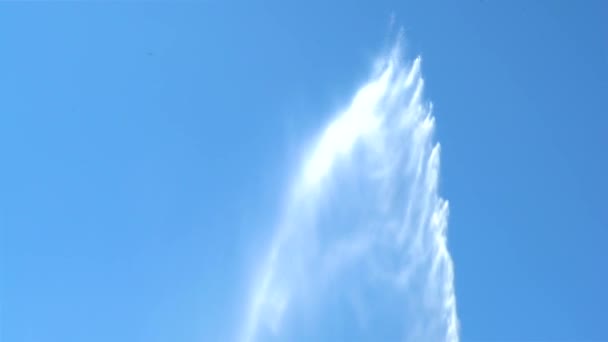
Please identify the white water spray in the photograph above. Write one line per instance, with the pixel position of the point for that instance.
(360, 252)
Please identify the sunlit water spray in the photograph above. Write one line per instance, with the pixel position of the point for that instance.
(360, 251)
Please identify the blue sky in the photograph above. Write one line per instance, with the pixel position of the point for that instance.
(146, 150)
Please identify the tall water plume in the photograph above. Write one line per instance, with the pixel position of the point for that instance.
(360, 250)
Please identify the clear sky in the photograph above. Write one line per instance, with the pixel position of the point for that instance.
(146, 148)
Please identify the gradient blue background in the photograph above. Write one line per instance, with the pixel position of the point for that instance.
(145, 148)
